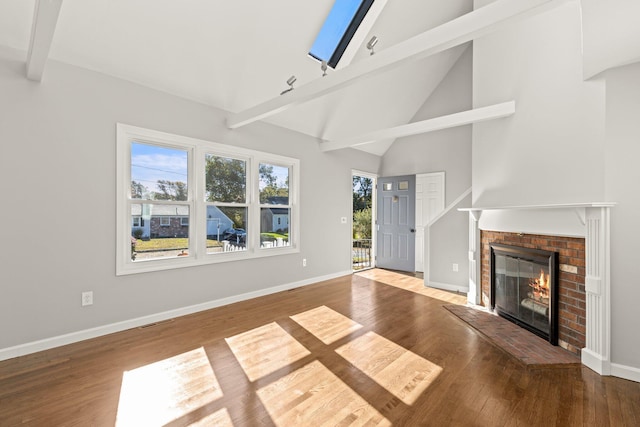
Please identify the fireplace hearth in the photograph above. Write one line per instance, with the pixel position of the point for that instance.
(524, 288)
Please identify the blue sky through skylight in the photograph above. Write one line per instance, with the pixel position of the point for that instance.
(334, 28)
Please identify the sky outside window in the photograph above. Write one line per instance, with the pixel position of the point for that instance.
(152, 163)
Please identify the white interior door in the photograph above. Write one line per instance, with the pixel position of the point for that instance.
(429, 204)
(395, 223)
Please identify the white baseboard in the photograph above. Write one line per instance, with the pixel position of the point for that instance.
(595, 362)
(626, 372)
(448, 287)
(57, 341)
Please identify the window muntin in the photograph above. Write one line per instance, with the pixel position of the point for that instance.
(338, 29)
(198, 235)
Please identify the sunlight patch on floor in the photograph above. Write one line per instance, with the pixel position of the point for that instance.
(412, 284)
(161, 392)
(401, 372)
(264, 350)
(312, 394)
(326, 324)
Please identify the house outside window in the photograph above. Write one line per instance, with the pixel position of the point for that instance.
(190, 202)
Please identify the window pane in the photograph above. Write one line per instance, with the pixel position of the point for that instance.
(159, 231)
(338, 29)
(274, 227)
(226, 229)
(274, 184)
(158, 173)
(226, 180)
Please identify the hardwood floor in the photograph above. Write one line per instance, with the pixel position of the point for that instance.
(375, 348)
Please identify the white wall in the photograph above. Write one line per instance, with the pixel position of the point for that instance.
(447, 151)
(622, 179)
(58, 214)
(551, 149)
(611, 34)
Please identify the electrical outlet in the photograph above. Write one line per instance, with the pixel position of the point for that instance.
(87, 298)
(455, 267)
(343, 220)
(304, 262)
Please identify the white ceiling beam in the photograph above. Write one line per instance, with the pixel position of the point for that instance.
(45, 18)
(453, 33)
(476, 115)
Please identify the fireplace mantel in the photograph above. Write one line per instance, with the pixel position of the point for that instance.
(550, 206)
(595, 217)
(579, 208)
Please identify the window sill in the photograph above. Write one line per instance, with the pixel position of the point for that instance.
(152, 265)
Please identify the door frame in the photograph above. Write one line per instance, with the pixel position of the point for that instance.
(374, 194)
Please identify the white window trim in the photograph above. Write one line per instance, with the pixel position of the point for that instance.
(197, 230)
(165, 219)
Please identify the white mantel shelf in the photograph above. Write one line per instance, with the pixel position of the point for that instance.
(551, 206)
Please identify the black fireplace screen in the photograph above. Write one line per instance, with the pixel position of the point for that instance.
(524, 288)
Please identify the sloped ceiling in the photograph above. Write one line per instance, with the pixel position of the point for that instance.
(235, 54)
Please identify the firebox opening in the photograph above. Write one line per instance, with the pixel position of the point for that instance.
(524, 288)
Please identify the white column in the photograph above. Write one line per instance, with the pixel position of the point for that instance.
(475, 248)
(596, 355)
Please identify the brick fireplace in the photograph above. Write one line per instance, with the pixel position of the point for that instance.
(585, 278)
(571, 280)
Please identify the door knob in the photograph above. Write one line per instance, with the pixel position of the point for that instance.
(413, 230)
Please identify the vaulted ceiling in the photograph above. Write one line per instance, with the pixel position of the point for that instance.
(236, 54)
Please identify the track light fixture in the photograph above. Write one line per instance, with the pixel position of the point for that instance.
(371, 44)
(290, 81)
(323, 67)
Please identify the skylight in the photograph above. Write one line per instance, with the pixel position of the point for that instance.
(338, 30)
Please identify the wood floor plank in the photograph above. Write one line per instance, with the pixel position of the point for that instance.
(410, 363)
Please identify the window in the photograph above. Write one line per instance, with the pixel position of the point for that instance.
(338, 29)
(226, 200)
(274, 205)
(184, 202)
